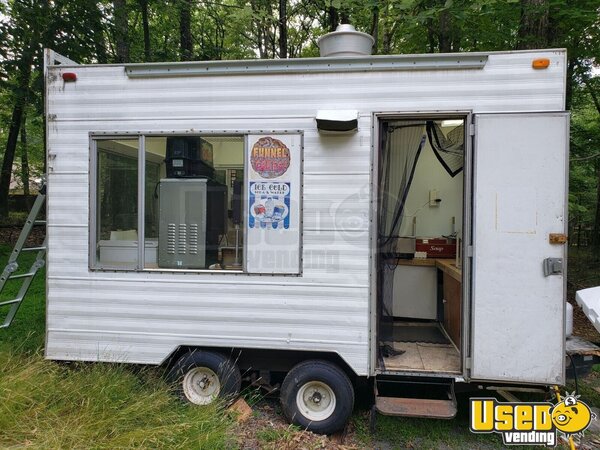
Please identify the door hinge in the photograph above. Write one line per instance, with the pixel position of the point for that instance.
(472, 129)
(469, 251)
(468, 363)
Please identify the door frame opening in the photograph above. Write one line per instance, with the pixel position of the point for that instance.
(466, 248)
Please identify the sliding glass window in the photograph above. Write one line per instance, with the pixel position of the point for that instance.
(191, 191)
(116, 202)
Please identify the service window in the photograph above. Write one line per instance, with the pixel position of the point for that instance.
(218, 203)
(117, 203)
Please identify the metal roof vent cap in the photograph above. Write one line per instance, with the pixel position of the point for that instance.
(345, 41)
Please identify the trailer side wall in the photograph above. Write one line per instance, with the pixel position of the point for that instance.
(142, 317)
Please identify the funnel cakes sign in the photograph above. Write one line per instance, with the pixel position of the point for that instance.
(273, 214)
(270, 158)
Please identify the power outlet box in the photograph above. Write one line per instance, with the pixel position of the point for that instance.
(433, 197)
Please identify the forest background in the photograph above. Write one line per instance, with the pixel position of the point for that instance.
(118, 31)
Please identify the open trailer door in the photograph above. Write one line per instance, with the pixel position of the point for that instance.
(519, 210)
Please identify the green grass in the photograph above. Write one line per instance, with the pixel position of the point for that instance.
(407, 433)
(48, 405)
(26, 333)
(14, 219)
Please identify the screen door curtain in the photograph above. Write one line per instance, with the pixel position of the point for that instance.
(402, 143)
(449, 148)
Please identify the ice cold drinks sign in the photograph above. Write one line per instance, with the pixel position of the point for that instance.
(269, 205)
(270, 158)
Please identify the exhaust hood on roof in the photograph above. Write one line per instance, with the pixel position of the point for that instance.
(345, 41)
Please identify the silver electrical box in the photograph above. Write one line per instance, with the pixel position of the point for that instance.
(182, 225)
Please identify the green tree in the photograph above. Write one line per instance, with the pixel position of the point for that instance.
(28, 27)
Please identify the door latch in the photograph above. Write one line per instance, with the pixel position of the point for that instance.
(553, 266)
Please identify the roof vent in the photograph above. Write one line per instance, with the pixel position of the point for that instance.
(346, 41)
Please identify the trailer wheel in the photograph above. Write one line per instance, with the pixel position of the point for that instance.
(317, 396)
(203, 376)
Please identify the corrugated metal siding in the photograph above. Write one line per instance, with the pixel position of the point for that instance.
(142, 317)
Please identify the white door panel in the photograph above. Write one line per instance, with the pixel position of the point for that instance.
(519, 199)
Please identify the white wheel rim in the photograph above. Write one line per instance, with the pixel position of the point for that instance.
(201, 385)
(316, 401)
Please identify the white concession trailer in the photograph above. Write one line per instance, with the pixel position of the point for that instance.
(397, 220)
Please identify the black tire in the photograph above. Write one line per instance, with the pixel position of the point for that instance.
(317, 373)
(192, 365)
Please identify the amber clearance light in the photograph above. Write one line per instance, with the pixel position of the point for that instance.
(540, 63)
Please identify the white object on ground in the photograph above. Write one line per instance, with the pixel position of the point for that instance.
(589, 300)
(569, 320)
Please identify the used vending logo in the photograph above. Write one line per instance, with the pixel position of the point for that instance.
(531, 423)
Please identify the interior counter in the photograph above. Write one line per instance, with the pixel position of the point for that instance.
(448, 266)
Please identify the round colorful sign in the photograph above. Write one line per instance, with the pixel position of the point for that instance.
(270, 158)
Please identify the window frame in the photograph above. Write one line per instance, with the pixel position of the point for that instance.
(94, 137)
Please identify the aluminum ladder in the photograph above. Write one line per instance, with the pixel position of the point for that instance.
(12, 266)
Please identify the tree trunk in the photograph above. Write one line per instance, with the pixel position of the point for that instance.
(334, 18)
(9, 157)
(430, 35)
(570, 83)
(389, 32)
(444, 37)
(344, 16)
(596, 236)
(146, 28)
(97, 28)
(456, 37)
(185, 30)
(261, 40)
(14, 128)
(283, 39)
(375, 25)
(593, 93)
(121, 30)
(24, 158)
(533, 28)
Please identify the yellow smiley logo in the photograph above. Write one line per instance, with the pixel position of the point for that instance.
(571, 416)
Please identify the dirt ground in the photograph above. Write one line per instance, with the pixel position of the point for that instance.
(583, 327)
(267, 429)
(10, 234)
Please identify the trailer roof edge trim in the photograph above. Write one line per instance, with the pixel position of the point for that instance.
(308, 65)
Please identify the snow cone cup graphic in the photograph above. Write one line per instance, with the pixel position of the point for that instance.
(259, 213)
(278, 212)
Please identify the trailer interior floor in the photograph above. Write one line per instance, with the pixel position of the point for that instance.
(426, 348)
(424, 357)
